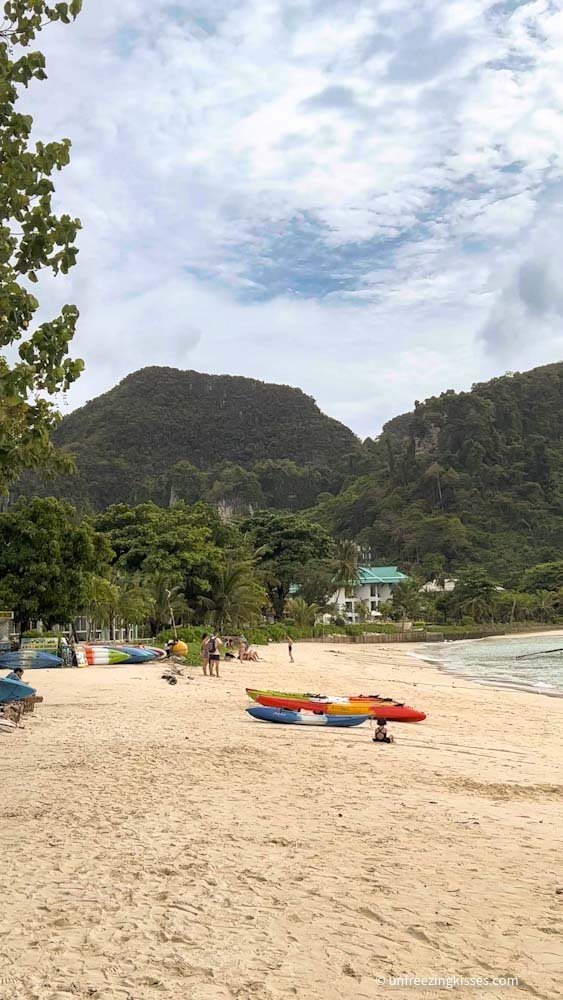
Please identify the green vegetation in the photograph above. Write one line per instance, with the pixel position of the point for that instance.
(163, 435)
(470, 479)
(183, 565)
(286, 546)
(467, 479)
(469, 485)
(50, 561)
(32, 239)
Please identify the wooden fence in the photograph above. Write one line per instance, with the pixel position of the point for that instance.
(415, 635)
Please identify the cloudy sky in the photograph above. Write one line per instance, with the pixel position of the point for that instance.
(361, 198)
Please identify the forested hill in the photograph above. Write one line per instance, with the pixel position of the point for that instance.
(466, 478)
(163, 432)
(471, 477)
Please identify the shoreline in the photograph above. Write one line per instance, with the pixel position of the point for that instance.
(175, 847)
(484, 680)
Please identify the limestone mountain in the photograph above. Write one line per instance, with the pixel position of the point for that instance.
(163, 433)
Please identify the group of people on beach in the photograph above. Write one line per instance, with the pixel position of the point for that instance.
(235, 649)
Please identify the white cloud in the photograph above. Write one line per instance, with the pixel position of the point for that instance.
(340, 196)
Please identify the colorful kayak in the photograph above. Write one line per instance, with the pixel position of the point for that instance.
(288, 717)
(104, 656)
(156, 652)
(14, 690)
(392, 711)
(30, 659)
(136, 654)
(254, 693)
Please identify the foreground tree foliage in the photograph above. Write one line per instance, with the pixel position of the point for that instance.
(32, 239)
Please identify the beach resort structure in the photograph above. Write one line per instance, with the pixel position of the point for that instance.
(445, 586)
(373, 586)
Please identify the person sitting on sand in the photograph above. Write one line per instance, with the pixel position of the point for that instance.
(15, 675)
(251, 654)
(214, 655)
(242, 647)
(380, 735)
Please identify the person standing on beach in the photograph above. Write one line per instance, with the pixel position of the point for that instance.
(290, 648)
(204, 653)
(214, 654)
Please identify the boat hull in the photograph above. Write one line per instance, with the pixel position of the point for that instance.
(30, 659)
(14, 691)
(289, 718)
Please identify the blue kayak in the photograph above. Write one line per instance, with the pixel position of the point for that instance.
(14, 690)
(287, 716)
(30, 659)
(137, 655)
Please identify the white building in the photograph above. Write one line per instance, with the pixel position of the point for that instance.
(374, 586)
(439, 587)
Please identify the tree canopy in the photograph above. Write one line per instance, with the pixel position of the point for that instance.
(32, 239)
(48, 559)
(285, 544)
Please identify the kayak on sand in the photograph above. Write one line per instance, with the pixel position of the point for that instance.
(14, 690)
(284, 715)
(104, 656)
(337, 699)
(30, 659)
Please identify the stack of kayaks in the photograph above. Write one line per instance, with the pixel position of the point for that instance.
(354, 705)
(30, 659)
(93, 655)
(288, 717)
(104, 656)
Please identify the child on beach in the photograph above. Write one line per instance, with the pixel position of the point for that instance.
(290, 648)
(380, 735)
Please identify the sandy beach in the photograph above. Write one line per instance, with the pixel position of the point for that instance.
(159, 843)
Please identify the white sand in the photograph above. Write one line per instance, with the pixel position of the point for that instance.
(158, 843)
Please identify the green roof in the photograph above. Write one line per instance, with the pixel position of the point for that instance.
(380, 574)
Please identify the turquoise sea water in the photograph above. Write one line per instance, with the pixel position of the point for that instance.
(494, 661)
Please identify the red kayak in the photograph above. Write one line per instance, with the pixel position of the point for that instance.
(392, 711)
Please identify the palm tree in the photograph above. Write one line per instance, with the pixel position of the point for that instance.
(236, 597)
(302, 613)
(102, 596)
(407, 599)
(134, 603)
(362, 611)
(165, 593)
(346, 564)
